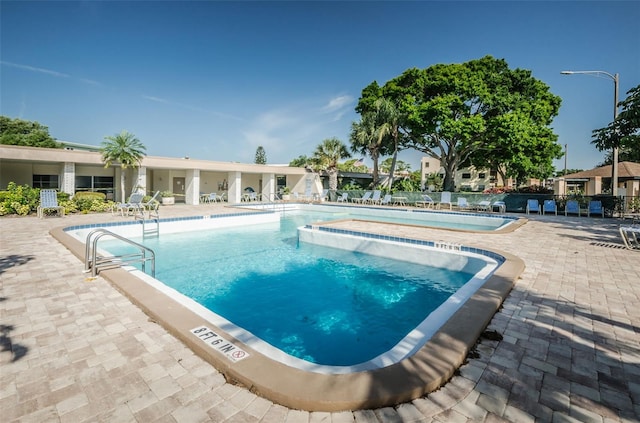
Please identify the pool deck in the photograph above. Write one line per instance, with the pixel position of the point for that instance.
(75, 349)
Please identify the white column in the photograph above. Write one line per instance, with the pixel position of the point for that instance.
(269, 185)
(141, 181)
(235, 187)
(68, 183)
(192, 187)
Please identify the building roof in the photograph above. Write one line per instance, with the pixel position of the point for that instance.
(625, 170)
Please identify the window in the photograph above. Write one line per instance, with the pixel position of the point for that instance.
(45, 181)
(83, 183)
(482, 175)
(94, 183)
(466, 176)
(102, 182)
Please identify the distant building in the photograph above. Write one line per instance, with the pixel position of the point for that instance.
(465, 179)
(590, 182)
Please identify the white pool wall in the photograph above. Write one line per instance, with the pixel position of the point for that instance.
(427, 216)
(133, 229)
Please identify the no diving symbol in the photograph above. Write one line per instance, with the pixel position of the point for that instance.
(238, 354)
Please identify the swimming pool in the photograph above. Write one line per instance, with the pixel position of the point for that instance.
(304, 298)
(404, 374)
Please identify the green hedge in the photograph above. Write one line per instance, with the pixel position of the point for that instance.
(23, 200)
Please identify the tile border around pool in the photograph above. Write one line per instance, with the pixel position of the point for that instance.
(499, 258)
(425, 371)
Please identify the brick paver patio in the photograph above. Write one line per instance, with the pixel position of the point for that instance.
(75, 350)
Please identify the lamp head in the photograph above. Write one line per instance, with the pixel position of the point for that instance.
(567, 72)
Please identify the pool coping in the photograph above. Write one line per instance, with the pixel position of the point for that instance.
(425, 371)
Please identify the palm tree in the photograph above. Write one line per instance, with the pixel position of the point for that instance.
(389, 120)
(365, 139)
(125, 149)
(326, 157)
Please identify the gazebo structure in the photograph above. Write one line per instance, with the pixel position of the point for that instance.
(590, 181)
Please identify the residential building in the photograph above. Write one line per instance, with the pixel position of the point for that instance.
(72, 169)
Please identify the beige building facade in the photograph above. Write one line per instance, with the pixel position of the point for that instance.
(71, 171)
(465, 179)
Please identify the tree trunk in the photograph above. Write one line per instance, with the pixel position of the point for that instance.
(374, 157)
(393, 168)
(449, 176)
(122, 184)
(333, 178)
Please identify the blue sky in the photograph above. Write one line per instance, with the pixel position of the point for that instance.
(215, 80)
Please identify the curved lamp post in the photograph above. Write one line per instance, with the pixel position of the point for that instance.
(616, 79)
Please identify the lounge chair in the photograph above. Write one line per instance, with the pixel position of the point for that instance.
(343, 198)
(324, 196)
(150, 206)
(595, 207)
(253, 196)
(427, 202)
(132, 206)
(212, 198)
(533, 205)
(462, 204)
(375, 198)
(386, 200)
(49, 201)
(631, 236)
(445, 198)
(363, 199)
(572, 207)
(550, 206)
(501, 205)
(483, 205)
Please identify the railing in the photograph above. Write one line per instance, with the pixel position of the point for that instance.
(94, 263)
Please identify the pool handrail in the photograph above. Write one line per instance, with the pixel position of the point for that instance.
(95, 262)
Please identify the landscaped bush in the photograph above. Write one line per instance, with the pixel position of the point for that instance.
(19, 199)
(86, 201)
(534, 189)
(23, 200)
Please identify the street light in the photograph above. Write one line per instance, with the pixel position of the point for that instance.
(616, 79)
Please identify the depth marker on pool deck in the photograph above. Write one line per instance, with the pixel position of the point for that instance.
(219, 344)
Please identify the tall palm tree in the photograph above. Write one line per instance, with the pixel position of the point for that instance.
(365, 139)
(326, 157)
(125, 149)
(389, 119)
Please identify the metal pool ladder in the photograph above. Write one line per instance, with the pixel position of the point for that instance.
(94, 263)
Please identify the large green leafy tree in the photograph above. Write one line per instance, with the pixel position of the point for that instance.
(25, 133)
(326, 157)
(481, 113)
(624, 131)
(125, 149)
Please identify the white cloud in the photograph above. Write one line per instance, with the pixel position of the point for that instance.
(156, 99)
(35, 69)
(337, 103)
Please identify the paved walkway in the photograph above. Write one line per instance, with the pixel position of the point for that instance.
(76, 350)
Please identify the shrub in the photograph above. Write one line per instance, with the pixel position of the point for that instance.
(534, 189)
(19, 199)
(88, 201)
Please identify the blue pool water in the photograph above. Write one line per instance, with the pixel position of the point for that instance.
(323, 305)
